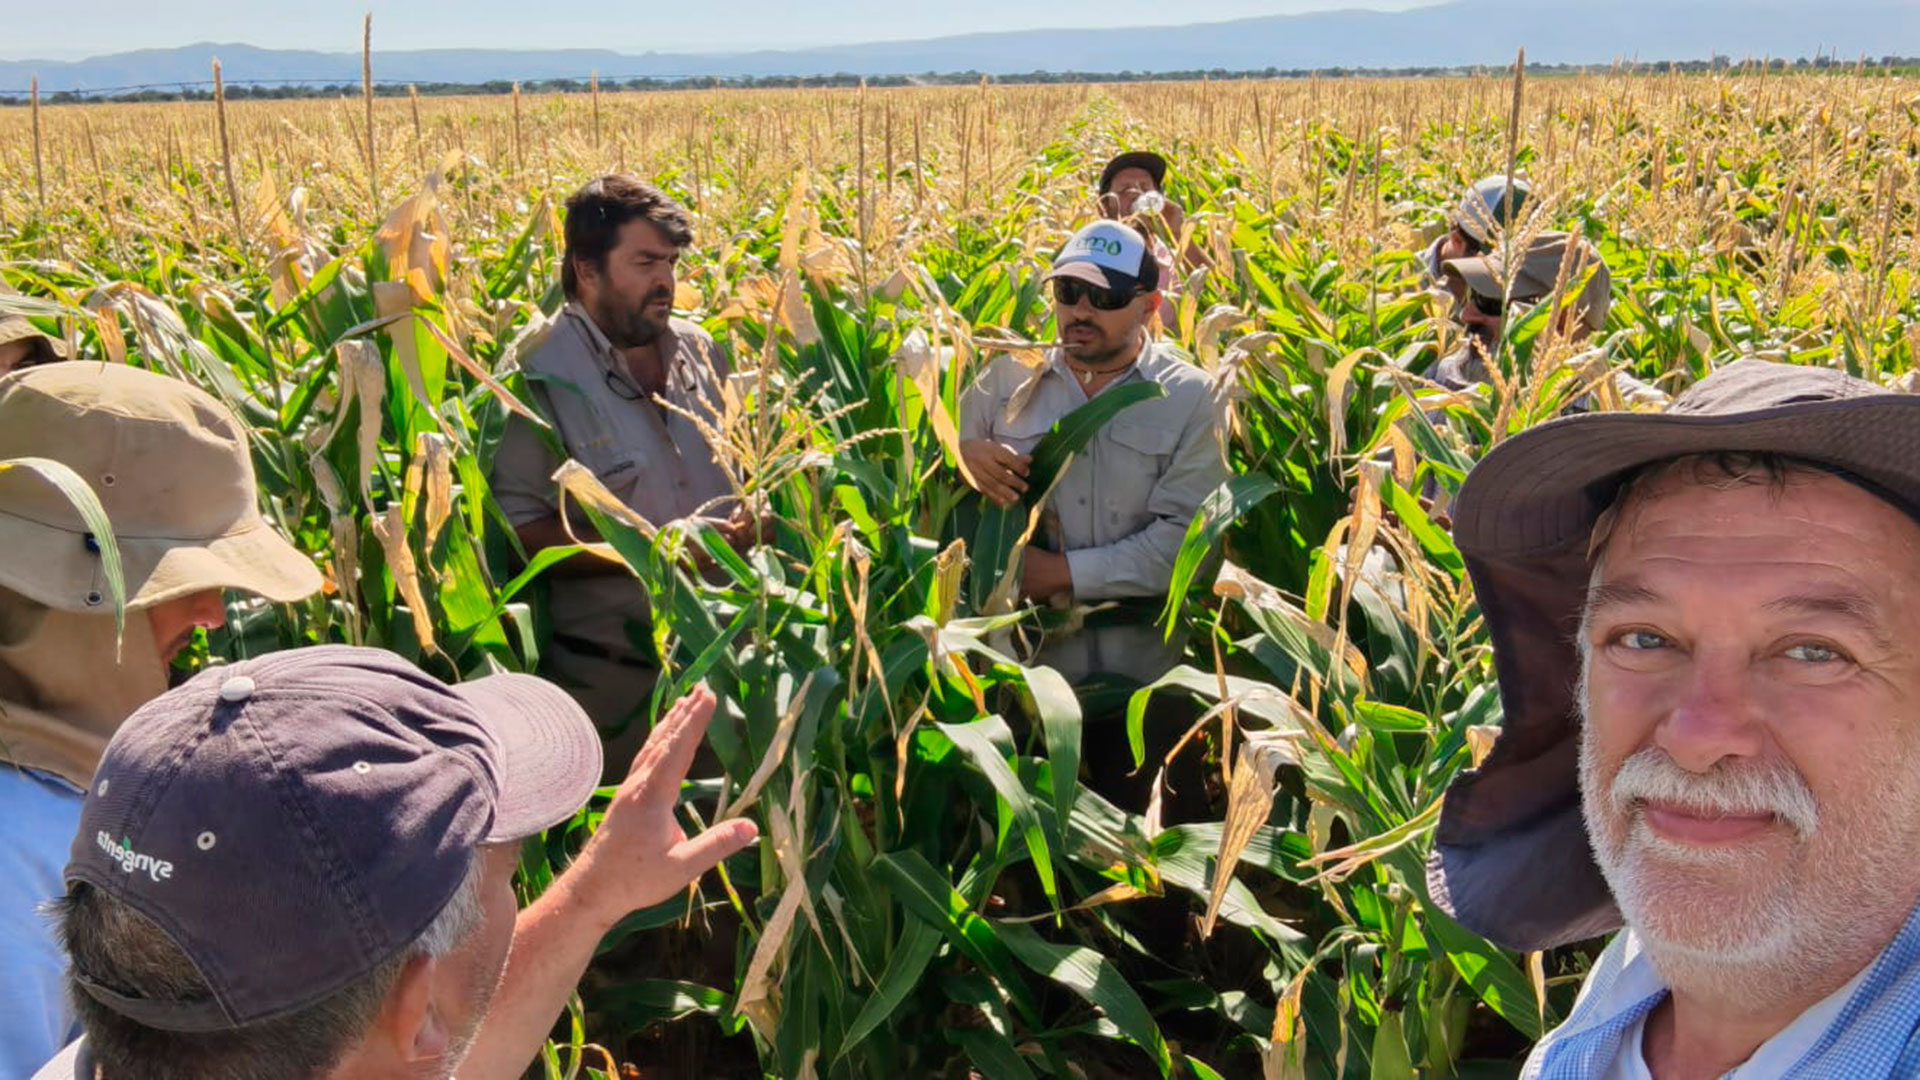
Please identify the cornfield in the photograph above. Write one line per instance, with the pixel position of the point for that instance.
(939, 894)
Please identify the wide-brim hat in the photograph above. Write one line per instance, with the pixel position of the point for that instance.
(1542, 265)
(1511, 858)
(16, 328)
(1154, 164)
(172, 468)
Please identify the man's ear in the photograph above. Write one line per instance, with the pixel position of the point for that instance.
(410, 1020)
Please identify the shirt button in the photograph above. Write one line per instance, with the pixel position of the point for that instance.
(237, 689)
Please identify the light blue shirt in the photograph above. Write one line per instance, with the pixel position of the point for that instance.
(38, 816)
(1868, 1030)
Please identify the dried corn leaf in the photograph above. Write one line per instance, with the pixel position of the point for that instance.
(921, 367)
(579, 483)
(430, 475)
(1286, 1055)
(1340, 863)
(1480, 739)
(758, 999)
(113, 342)
(1235, 583)
(1249, 801)
(390, 528)
(776, 753)
(363, 379)
(1365, 525)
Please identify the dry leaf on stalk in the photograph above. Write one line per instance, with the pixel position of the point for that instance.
(757, 997)
(921, 367)
(1249, 801)
(430, 474)
(579, 483)
(363, 378)
(776, 753)
(390, 528)
(1286, 1055)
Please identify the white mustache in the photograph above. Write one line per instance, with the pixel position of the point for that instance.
(1651, 776)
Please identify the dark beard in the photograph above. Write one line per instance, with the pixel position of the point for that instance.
(631, 328)
(1092, 359)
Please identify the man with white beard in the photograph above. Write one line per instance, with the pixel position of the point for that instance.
(1703, 624)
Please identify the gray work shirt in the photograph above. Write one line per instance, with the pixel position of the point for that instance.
(654, 460)
(1122, 508)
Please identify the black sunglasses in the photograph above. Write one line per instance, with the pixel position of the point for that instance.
(1494, 307)
(1070, 291)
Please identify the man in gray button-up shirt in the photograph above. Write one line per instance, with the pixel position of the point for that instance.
(619, 379)
(1117, 517)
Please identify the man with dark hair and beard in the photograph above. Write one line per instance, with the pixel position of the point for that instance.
(1116, 519)
(621, 381)
(1704, 624)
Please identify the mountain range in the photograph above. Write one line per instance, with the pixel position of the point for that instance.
(1453, 34)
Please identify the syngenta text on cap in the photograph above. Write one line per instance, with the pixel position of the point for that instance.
(131, 861)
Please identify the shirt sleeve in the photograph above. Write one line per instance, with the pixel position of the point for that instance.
(36, 817)
(522, 475)
(1141, 564)
(976, 407)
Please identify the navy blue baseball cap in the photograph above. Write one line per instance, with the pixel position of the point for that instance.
(295, 821)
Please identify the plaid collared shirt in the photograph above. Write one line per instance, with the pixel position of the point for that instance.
(1875, 1033)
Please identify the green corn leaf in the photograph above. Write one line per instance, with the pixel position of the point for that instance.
(1216, 515)
(992, 1053)
(979, 742)
(1000, 526)
(1094, 978)
(927, 894)
(1497, 980)
(1061, 722)
(918, 942)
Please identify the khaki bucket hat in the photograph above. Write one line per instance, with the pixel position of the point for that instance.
(1538, 270)
(1511, 858)
(45, 347)
(171, 466)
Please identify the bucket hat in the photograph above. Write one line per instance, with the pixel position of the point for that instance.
(1511, 858)
(171, 466)
(1538, 269)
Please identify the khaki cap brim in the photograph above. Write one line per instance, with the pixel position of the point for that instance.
(54, 566)
(17, 329)
(1478, 274)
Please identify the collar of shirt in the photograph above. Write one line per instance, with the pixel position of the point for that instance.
(613, 361)
(1866, 1028)
(1144, 366)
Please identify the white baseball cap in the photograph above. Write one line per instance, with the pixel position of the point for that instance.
(1108, 254)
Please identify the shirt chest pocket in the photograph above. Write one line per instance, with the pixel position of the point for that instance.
(1145, 446)
(593, 439)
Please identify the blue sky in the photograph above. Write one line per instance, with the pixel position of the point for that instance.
(40, 30)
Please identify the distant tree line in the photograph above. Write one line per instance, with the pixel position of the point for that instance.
(280, 90)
